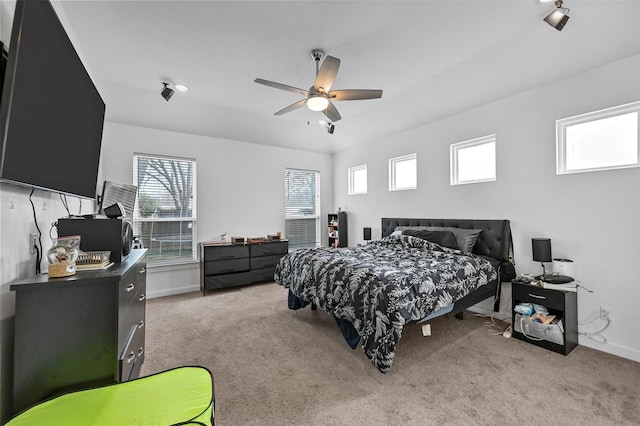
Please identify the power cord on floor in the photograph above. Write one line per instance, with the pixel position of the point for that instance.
(595, 335)
(495, 329)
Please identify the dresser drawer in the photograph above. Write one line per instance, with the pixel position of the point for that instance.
(132, 356)
(127, 288)
(132, 316)
(265, 261)
(262, 275)
(267, 249)
(216, 267)
(228, 280)
(225, 252)
(551, 299)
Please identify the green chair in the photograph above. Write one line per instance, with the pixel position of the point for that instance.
(183, 395)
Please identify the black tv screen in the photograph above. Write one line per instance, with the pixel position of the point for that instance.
(51, 113)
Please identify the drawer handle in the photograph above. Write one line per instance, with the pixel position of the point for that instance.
(536, 296)
(141, 324)
(130, 287)
(142, 270)
(141, 298)
(140, 351)
(130, 357)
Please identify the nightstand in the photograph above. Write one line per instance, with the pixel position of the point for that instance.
(562, 304)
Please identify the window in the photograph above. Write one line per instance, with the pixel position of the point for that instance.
(358, 180)
(403, 173)
(599, 140)
(473, 161)
(302, 208)
(165, 213)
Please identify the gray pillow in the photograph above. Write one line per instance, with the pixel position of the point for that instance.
(442, 238)
(466, 238)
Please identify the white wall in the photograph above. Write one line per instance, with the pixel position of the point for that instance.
(592, 218)
(240, 187)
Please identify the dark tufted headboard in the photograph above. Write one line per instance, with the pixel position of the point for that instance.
(494, 240)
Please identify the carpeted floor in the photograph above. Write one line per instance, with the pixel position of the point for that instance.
(274, 366)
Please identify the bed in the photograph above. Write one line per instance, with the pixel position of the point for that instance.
(414, 273)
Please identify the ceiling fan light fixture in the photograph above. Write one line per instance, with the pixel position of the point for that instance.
(317, 103)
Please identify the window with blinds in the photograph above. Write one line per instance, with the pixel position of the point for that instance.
(165, 211)
(302, 208)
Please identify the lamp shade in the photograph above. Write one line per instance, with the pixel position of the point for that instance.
(541, 249)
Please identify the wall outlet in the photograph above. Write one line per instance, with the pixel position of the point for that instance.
(606, 311)
(33, 241)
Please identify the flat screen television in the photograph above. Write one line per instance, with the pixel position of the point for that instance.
(51, 114)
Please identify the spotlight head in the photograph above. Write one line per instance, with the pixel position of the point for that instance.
(166, 92)
(559, 17)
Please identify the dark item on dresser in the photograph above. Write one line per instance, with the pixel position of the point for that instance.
(337, 229)
(562, 304)
(365, 289)
(79, 331)
(230, 265)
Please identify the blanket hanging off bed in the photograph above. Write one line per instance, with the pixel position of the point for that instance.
(380, 286)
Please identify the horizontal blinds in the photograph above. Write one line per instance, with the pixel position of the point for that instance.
(301, 232)
(165, 211)
(302, 208)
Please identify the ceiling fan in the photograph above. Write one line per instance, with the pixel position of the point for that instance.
(319, 97)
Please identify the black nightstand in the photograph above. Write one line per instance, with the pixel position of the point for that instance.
(563, 304)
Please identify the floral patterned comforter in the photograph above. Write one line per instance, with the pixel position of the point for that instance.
(380, 286)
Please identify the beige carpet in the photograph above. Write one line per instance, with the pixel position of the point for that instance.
(274, 366)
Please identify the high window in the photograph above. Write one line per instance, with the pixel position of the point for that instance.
(302, 208)
(473, 161)
(599, 140)
(403, 173)
(358, 180)
(165, 212)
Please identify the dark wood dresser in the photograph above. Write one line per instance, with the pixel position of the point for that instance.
(79, 331)
(230, 265)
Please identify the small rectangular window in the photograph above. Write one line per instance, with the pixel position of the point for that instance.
(358, 180)
(600, 140)
(403, 173)
(473, 161)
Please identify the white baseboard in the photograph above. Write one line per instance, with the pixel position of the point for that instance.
(610, 348)
(173, 291)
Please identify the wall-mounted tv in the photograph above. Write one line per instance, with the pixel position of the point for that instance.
(51, 114)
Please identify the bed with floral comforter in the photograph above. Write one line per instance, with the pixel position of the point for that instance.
(380, 286)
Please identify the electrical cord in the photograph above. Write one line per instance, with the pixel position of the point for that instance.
(65, 203)
(38, 247)
(595, 335)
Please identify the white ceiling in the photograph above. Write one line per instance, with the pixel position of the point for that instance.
(431, 59)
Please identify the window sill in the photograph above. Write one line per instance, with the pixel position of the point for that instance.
(162, 267)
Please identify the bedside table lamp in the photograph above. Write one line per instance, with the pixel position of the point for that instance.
(541, 251)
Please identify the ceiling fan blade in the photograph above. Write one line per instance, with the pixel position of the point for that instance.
(282, 86)
(354, 94)
(327, 73)
(291, 107)
(332, 113)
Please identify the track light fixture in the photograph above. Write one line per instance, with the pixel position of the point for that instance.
(559, 17)
(328, 126)
(166, 92)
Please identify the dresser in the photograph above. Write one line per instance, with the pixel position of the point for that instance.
(79, 331)
(230, 265)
